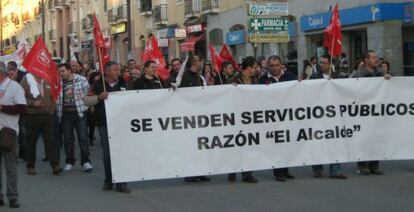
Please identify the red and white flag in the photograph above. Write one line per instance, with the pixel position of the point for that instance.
(225, 55)
(153, 52)
(215, 59)
(39, 62)
(100, 44)
(333, 34)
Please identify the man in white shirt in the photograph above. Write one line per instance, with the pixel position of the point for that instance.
(12, 104)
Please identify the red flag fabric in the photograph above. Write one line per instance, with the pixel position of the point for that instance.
(100, 44)
(153, 52)
(215, 59)
(333, 34)
(39, 62)
(225, 55)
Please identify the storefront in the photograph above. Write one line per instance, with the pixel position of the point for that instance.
(195, 41)
(377, 27)
(166, 41)
(119, 50)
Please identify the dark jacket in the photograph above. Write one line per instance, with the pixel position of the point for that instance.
(363, 72)
(239, 79)
(172, 79)
(224, 79)
(319, 75)
(144, 83)
(265, 79)
(191, 79)
(100, 114)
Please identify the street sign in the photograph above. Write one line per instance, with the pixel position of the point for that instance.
(268, 8)
(269, 38)
(279, 24)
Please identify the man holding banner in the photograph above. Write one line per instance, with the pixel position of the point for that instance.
(111, 83)
(323, 72)
(248, 67)
(369, 69)
(275, 74)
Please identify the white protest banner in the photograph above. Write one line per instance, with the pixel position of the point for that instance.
(157, 134)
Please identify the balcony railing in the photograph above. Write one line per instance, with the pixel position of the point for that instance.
(111, 16)
(87, 23)
(160, 14)
(73, 28)
(210, 6)
(192, 8)
(122, 13)
(52, 35)
(146, 7)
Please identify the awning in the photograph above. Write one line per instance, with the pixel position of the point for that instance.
(189, 43)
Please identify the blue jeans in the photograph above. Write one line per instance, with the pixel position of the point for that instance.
(103, 134)
(334, 169)
(74, 122)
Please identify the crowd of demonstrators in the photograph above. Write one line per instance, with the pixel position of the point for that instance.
(80, 107)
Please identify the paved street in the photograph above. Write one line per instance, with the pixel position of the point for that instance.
(78, 191)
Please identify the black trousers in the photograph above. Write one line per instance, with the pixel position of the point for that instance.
(40, 125)
(280, 172)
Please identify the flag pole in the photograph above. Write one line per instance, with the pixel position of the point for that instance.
(332, 49)
(221, 81)
(102, 68)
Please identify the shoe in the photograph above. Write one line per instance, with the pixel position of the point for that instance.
(191, 179)
(280, 178)
(339, 176)
(87, 167)
(68, 167)
(1, 202)
(318, 174)
(57, 170)
(250, 179)
(14, 203)
(204, 179)
(289, 176)
(231, 177)
(107, 186)
(31, 171)
(376, 172)
(123, 189)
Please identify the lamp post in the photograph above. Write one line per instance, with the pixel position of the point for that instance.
(43, 18)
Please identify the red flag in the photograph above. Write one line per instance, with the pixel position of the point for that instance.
(225, 55)
(39, 62)
(333, 34)
(100, 44)
(215, 59)
(153, 52)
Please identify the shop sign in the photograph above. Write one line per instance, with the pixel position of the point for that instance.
(118, 28)
(279, 24)
(236, 37)
(269, 38)
(268, 8)
(180, 33)
(86, 45)
(195, 28)
(163, 42)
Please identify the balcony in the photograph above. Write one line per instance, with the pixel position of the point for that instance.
(60, 4)
(211, 6)
(73, 28)
(87, 24)
(51, 5)
(122, 13)
(160, 14)
(192, 8)
(52, 35)
(146, 7)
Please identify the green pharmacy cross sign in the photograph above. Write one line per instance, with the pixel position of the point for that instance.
(277, 25)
